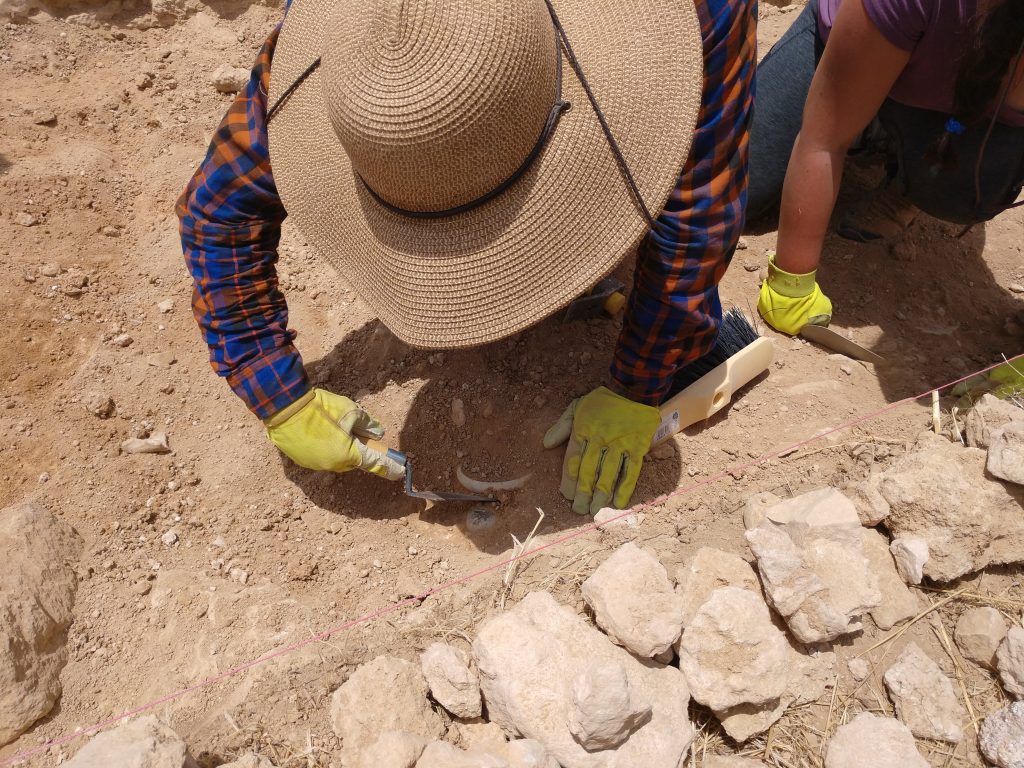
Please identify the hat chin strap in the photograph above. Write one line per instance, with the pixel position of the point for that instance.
(557, 109)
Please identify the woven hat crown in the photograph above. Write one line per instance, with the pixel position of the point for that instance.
(437, 102)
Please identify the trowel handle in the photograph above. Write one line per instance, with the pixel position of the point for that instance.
(615, 303)
(713, 391)
(381, 447)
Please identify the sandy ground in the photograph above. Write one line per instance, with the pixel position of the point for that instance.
(102, 125)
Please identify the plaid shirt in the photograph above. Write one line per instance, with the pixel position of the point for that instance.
(673, 312)
(230, 222)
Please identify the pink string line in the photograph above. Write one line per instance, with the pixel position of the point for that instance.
(575, 533)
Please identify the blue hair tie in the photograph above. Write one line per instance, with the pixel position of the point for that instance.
(954, 126)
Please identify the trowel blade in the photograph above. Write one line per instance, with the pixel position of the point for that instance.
(830, 339)
(433, 496)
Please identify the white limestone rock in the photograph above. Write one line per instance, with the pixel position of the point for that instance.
(710, 569)
(1006, 453)
(605, 709)
(911, 555)
(898, 602)
(452, 683)
(737, 662)
(393, 749)
(37, 593)
(441, 754)
(988, 414)
(924, 697)
(755, 508)
(1002, 737)
(871, 506)
(1010, 662)
(386, 694)
(478, 735)
(228, 79)
(526, 753)
(979, 631)
(940, 493)
(633, 601)
(810, 555)
(732, 653)
(528, 659)
(869, 741)
(142, 743)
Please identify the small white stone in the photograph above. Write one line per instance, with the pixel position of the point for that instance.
(1010, 662)
(458, 412)
(607, 517)
(869, 741)
(1002, 736)
(859, 669)
(979, 631)
(1006, 453)
(170, 538)
(165, 306)
(910, 554)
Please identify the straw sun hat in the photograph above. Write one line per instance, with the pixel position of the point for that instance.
(445, 157)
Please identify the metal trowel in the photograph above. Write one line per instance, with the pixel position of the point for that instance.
(830, 339)
(410, 489)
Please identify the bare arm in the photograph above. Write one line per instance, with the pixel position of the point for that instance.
(855, 75)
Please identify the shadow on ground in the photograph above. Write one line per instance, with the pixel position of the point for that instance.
(512, 392)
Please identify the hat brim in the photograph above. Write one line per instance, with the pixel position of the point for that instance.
(482, 275)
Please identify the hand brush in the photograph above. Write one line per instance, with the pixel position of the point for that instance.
(705, 386)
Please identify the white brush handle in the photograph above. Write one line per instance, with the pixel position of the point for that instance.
(713, 391)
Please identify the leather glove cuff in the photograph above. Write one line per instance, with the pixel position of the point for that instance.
(787, 284)
(289, 410)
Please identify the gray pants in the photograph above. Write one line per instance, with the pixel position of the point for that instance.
(987, 176)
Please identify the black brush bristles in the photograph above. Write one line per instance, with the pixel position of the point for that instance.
(735, 333)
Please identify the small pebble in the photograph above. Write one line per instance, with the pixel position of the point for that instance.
(458, 412)
(170, 538)
(480, 519)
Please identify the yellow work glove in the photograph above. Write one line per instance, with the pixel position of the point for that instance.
(320, 430)
(608, 435)
(789, 302)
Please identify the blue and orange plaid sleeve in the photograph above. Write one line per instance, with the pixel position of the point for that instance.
(230, 223)
(674, 311)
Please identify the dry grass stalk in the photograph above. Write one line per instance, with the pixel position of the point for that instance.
(940, 631)
(518, 548)
(902, 630)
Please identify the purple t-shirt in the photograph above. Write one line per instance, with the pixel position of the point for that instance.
(935, 32)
